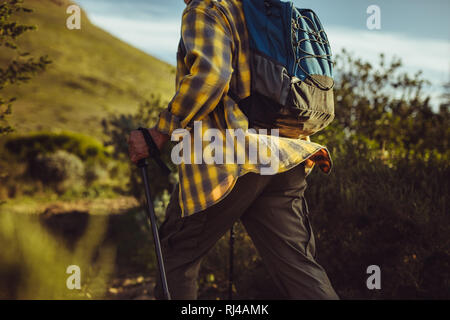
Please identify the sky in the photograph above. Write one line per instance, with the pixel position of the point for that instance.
(417, 31)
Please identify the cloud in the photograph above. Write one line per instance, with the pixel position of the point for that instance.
(417, 54)
(158, 38)
(428, 55)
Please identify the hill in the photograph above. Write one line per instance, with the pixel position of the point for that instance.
(92, 74)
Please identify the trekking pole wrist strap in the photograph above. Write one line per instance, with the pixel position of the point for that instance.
(152, 147)
(153, 151)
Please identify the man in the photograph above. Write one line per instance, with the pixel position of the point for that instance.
(212, 62)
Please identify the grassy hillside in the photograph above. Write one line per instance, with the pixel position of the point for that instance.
(92, 74)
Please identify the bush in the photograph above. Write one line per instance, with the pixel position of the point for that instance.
(59, 170)
(391, 216)
(94, 172)
(118, 127)
(362, 214)
(27, 147)
(46, 155)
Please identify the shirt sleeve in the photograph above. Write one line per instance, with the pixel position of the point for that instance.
(208, 58)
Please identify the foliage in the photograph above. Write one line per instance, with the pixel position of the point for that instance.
(386, 107)
(393, 217)
(22, 67)
(47, 161)
(59, 170)
(94, 172)
(34, 258)
(364, 214)
(117, 129)
(27, 147)
(384, 202)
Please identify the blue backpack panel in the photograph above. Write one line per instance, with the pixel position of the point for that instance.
(291, 69)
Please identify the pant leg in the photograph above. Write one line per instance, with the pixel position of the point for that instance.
(279, 226)
(186, 240)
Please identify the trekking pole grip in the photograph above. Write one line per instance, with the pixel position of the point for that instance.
(153, 151)
(142, 163)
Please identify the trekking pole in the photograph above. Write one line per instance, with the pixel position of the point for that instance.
(143, 164)
(231, 263)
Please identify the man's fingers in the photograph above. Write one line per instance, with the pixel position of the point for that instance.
(135, 158)
(137, 148)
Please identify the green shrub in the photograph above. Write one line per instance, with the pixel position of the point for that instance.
(26, 147)
(58, 171)
(118, 127)
(391, 216)
(46, 156)
(365, 213)
(94, 172)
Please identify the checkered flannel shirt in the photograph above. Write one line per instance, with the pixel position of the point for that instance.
(212, 59)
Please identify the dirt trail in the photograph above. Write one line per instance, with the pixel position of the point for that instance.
(135, 288)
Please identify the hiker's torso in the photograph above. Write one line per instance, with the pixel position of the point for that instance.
(202, 185)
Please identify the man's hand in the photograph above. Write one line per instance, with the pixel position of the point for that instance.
(137, 147)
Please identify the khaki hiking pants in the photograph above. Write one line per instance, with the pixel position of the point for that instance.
(275, 214)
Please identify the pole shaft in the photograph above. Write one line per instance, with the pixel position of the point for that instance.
(152, 217)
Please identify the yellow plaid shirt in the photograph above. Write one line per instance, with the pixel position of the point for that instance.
(212, 59)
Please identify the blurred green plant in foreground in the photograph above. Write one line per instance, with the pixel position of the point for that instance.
(34, 261)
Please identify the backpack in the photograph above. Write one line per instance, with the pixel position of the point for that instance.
(291, 69)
